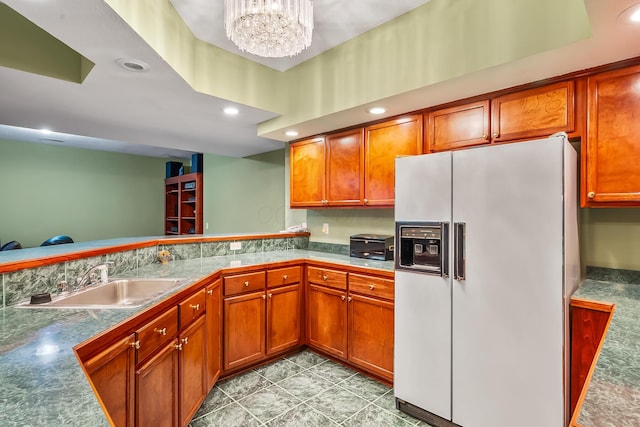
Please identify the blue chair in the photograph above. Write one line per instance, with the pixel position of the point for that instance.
(11, 245)
(57, 240)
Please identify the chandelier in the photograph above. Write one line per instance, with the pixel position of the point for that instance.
(269, 28)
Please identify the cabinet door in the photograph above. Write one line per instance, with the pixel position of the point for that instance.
(458, 127)
(193, 369)
(327, 320)
(371, 335)
(345, 168)
(307, 173)
(112, 374)
(533, 113)
(214, 332)
(283, 318)
(383, 143)
(157, 389)
(244, 329)
(610, 173)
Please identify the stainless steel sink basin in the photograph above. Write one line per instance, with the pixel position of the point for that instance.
(118, 293)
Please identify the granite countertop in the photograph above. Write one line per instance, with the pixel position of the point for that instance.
(42, 381)
(613, 396)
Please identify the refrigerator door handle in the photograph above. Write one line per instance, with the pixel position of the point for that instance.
(459, 260)
(444, 251)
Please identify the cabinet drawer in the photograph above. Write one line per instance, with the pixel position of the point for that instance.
(157, 333)
(241, 283)
(326, 277)
(372, 286)
(283, 276)
(191, 308)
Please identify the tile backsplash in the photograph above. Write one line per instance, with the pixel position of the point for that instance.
(18, 286)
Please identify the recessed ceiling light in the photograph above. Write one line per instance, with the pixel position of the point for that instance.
(231, 111)
(376, 110)
(130, 64)
(631, 14)
(291, 133)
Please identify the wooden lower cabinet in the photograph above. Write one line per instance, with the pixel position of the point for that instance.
(112, 375)
(370, 335)
(244, 329)
(192, 355)
(214, 332)
(283, 318)
(327, 320)
(157, 389)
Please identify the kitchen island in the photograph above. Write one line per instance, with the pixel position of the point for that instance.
(42, 381)
(613, 395)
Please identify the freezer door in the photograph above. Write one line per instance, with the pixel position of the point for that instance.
(422, 360)
(508, 313)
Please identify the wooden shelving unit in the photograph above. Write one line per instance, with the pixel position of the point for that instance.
(183, 204)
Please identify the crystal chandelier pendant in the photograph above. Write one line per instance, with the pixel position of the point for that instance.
(269, 28)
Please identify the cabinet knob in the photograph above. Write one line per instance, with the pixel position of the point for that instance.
(178, 346)
(162, 331)
(366, 201)
(591, 194)
(135, 344)
(324, 277)
(496, 134)
(195, 306)
(185, 340)
(485, 136)
(342, 297)
(210, 292)
(270, 295)
(371, 286)
(284, 277)
(246, 283)
(349, 299)
(264, 296)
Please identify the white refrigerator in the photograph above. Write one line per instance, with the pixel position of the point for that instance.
(485, 341)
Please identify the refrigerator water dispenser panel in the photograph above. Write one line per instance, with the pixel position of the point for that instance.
(422, 247)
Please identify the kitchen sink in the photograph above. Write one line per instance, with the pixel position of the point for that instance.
(117, 293)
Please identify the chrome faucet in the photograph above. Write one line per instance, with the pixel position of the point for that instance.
(90, 278)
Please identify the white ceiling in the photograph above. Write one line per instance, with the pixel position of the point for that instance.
(335, 21)
(156, 112)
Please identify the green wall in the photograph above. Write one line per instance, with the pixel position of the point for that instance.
(244, 195)
(89, 195)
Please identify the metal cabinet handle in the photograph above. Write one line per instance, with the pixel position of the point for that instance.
(270, 295)
(485, 136)
(366, 201)
(135, 344)
(349, 299)
(264, 296)
(371, 287)
(210, 292)
(246, 283)
(185, 340)
(342, 297)
(496, 134)
(162, 331)
(178, 346)
(459, 256)
(284, 277)
(591, 194)
(324, 277)
(195, 306)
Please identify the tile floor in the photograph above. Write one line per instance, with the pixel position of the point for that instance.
(304, 389)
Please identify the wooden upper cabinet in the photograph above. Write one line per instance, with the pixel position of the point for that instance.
(383, 143)
(345, 168)
(307, 173)
(533, 113)
(610, 172)
(457, 127)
